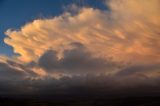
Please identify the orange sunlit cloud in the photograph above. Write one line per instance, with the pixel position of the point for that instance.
(126, 34)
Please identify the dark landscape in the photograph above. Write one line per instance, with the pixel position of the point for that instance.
(81, 101)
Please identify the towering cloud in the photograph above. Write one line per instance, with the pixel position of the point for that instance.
(122, 43)
(128, 30)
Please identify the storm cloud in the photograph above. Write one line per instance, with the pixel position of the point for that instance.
(76, 60)
(109, 50)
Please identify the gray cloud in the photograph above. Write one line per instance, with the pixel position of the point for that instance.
(12, 75)
(49, 60)
(7, 71)
(11, 71)
(83, 85)
(75, 60)
(16, 82)
(144, 70)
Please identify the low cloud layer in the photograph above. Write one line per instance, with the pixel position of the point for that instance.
(112, 49)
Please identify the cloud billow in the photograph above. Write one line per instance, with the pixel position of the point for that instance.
(118, 47)
(76, 60)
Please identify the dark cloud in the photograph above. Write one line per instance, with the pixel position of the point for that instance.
(18, 79)
(16, 82)
(7, 71)
(49, 60)
(108, 86)
(10, 76)
(75, 60)
(13, 76)
(141, 69)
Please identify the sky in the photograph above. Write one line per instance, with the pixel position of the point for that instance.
(74, 46)
(20, 12)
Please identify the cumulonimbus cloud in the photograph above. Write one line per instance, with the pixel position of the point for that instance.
(129, 30)
(122, 43)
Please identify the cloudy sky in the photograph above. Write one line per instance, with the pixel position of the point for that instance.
(104, 45)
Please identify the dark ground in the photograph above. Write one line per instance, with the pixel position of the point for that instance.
(69, 100)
